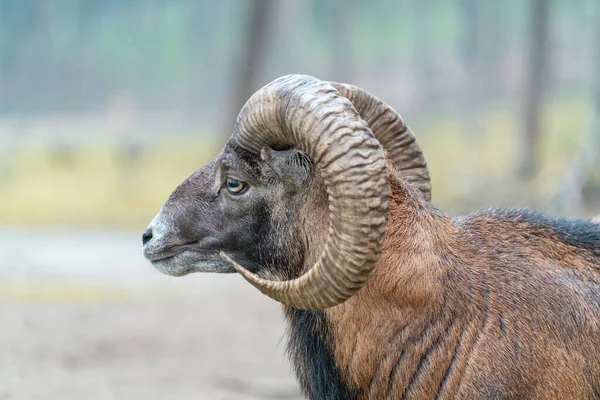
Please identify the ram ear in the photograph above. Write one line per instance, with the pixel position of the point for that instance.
(292, 166)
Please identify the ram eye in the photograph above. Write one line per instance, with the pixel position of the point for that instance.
(235, 187)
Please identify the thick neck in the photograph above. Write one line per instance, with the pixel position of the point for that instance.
(407, 283)
(346, 344)
(418, 237)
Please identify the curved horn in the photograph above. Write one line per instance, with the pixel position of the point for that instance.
(395, 137)
(302, 111)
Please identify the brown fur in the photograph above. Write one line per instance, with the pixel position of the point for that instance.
(489, 306)
(500, 304)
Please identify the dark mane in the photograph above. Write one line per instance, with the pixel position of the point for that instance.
(533, 228)
(580, 233)
(312, 358)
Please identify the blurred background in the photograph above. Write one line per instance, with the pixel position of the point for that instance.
(106, 106)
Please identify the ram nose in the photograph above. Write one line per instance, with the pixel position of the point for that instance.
(160, 241)
(146, 236)
(152, 244)
(156, 233)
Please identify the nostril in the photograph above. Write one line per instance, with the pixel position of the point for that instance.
(146, 236)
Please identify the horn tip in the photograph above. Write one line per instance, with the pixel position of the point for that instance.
(249, 276)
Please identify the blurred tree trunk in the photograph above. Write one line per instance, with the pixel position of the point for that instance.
(425, 77)
(285, 33)
(492, 52)
(7, 59)
(536, 74)
(253, 50)
(471, 60)
(470, 46)
(40, 85)
(569, 197)
(343, 26)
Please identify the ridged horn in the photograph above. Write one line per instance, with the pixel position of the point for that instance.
(393, 134)
(311, 115)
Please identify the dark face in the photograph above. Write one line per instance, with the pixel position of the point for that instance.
(245, 205)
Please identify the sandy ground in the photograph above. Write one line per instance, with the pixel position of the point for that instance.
(83, 316)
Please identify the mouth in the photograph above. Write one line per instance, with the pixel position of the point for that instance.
(173, 264)
(160, 257)
(166, 253)
(185, 261)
